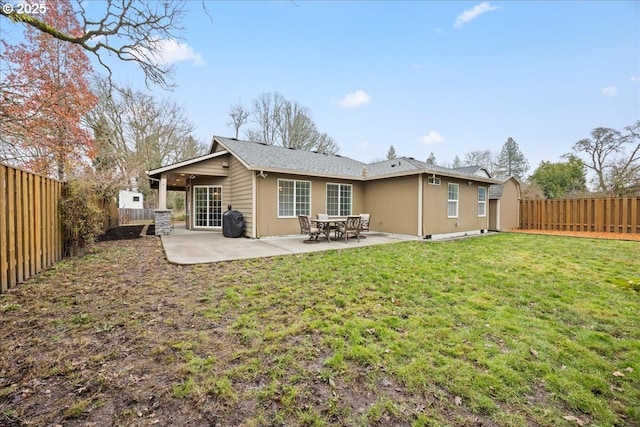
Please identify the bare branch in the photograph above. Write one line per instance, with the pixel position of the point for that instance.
(129, 29)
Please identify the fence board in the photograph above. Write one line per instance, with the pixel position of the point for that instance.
(11, 219)
(607, 214)
(20, 216)
(31, 196)
(4, 263)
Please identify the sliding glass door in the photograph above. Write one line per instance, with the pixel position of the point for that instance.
(207, 204)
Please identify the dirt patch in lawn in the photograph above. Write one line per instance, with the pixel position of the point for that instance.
(585, 234)
(125, 232)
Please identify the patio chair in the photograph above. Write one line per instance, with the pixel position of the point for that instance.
(306, 228)
(364, 222)
(350, 226)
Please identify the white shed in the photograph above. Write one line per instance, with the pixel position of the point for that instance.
(130, 200)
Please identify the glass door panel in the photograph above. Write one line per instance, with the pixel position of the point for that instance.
(207, 203)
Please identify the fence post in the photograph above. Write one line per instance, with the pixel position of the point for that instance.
(635, 220)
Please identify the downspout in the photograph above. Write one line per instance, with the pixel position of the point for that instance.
(420, 204)
(254, 206)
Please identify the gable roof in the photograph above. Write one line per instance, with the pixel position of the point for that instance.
(185, 163)
(274, 158)
(495, 191)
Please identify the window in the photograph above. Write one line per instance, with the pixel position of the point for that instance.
(339, 199)
(136, 198)
(452, 205)
(294, 198)
(432, 180)
(482, 201)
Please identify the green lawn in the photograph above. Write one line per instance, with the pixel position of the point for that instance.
(508, 330)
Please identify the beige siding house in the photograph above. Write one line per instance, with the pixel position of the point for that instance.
(272, 185)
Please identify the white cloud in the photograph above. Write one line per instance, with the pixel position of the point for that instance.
(167, 52)
(355, 99)
(635, 79)
(471, 14)
(170, 52)
(432, 137)
(609, 91)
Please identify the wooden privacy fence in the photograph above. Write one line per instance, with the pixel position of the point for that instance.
(30, 229)
(31, 235)
(129, 214)
(608, 214)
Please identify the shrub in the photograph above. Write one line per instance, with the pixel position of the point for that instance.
(81, 214)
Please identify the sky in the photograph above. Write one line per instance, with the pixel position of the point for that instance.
(424, 76)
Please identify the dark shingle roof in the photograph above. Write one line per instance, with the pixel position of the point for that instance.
(277, 158)
(258, 156)
(472, 170)
(495, 191)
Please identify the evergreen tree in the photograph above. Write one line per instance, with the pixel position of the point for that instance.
(431, 160)
(511, 161)
(457, 163)
(391, 154)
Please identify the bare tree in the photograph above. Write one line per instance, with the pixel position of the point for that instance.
(323, 143)
(137, 132)
(484, 158)
(614, 157)
(266, 112)
(131, 30)
(289, 124)
(239, 117)
(531, 191)
(295, 127)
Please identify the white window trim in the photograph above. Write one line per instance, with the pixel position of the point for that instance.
(295, 213)
(482, 202)
(339, 184)
(433, 180)
(453, 200)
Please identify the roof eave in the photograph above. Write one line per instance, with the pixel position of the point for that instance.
(460, 176)
(184, 163)
(303, 173)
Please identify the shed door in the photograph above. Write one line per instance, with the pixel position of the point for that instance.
(207, 205)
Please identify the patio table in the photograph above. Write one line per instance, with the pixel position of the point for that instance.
(325, 224)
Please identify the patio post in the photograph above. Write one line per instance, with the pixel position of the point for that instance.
(162, 192)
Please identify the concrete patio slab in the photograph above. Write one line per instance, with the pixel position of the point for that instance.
(201, 247)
